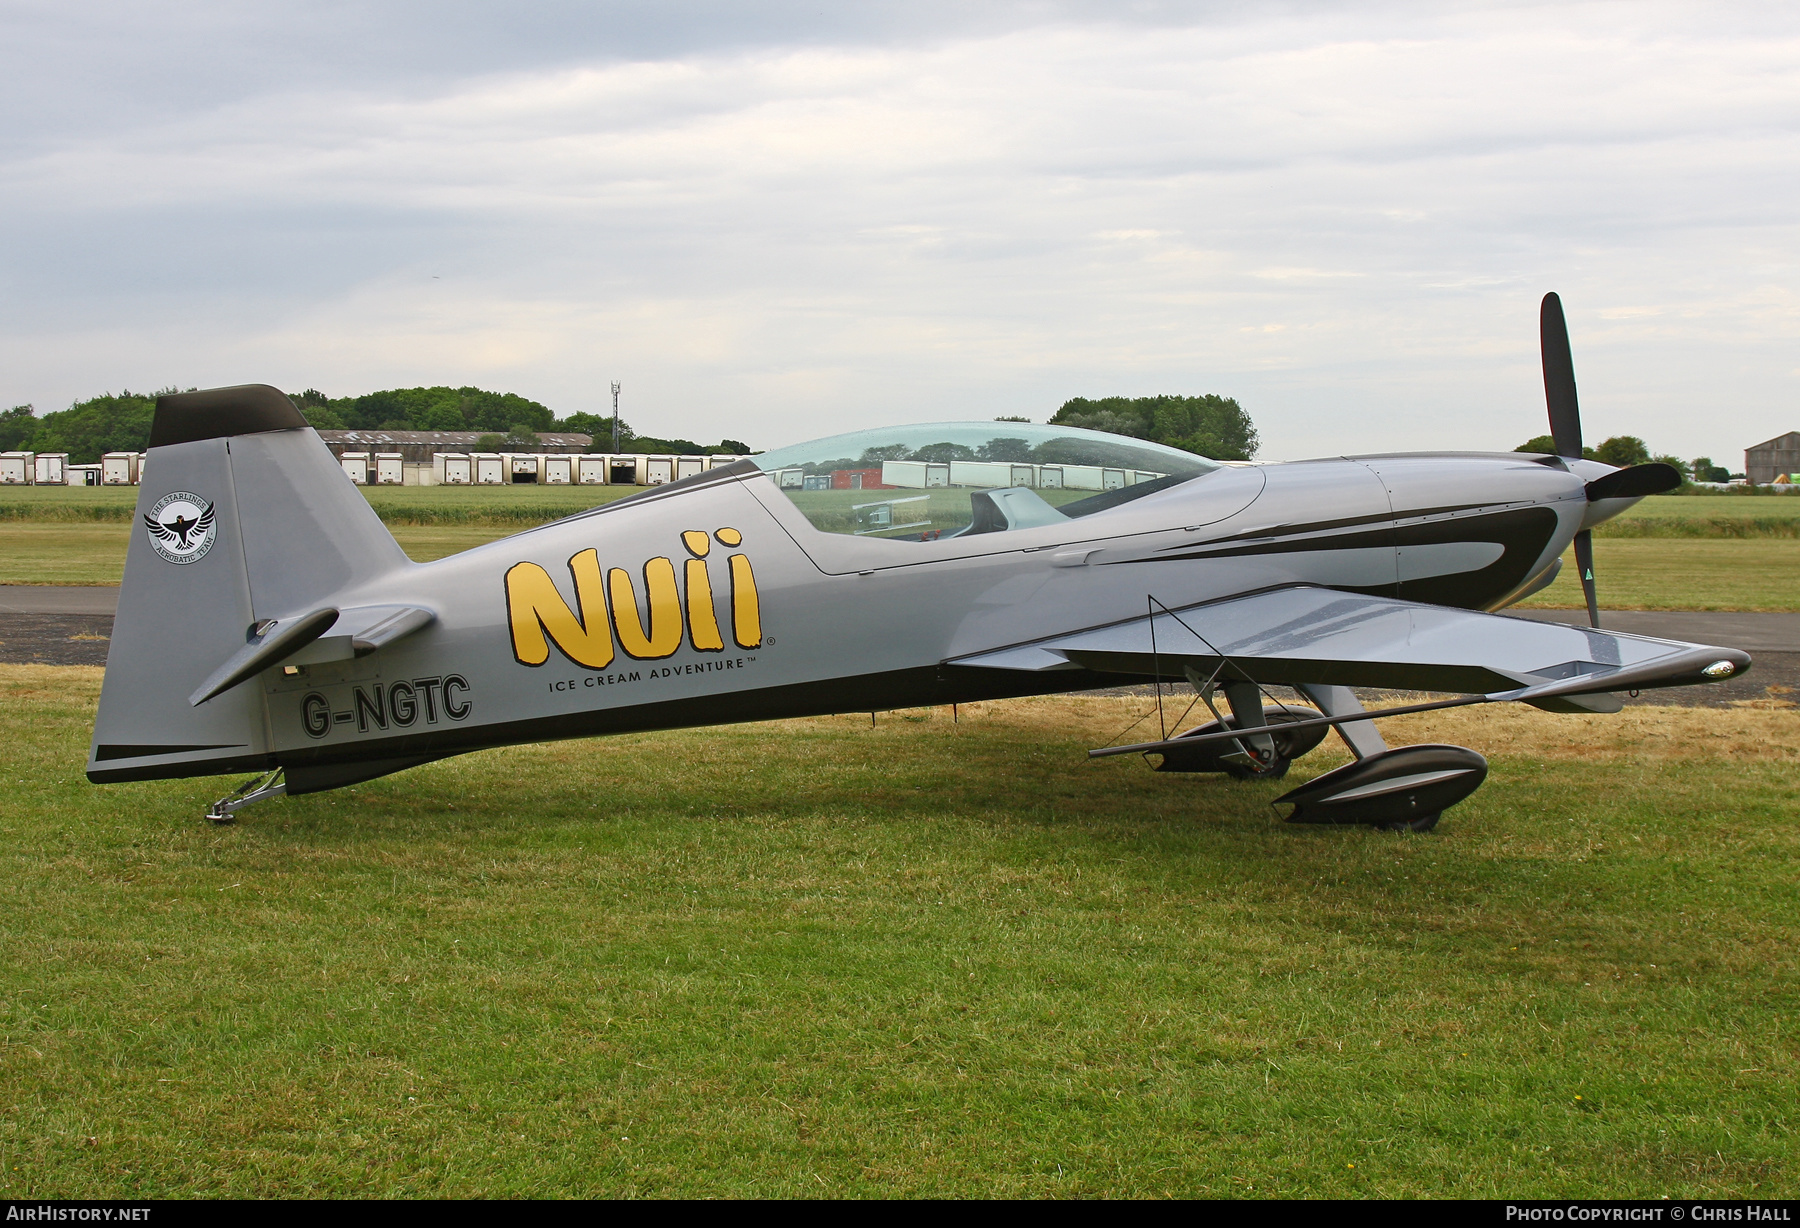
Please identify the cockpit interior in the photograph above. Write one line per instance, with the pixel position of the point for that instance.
(931, 481)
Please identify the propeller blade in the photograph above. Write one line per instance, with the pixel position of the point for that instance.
(1584, 566)
(1635, 482)
(1559, 378)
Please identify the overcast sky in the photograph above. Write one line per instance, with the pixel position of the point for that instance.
(776, 221)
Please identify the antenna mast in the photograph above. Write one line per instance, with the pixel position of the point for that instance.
(615, 389)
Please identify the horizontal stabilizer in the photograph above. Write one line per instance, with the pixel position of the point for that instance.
(1316, 635)
(363, 629)
(277, 641)
(355, 632)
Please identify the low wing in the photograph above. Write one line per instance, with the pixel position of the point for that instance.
(1315, 635)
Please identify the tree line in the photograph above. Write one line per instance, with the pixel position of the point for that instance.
(1211, 426)
(508, 422)
(1625, 451)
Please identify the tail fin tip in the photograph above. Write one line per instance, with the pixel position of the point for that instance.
(216, 413)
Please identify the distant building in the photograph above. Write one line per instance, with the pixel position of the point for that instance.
(1779, 455)
(421, 446)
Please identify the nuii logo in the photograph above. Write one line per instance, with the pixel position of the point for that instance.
(182, 527)
(648, 629)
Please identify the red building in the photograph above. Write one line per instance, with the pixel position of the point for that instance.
(858, 479)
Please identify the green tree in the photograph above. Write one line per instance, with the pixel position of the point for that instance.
(599, 426)
(734, 447)
(17, 426)
(1622, 451)
(440, 408)
(1538, 443)
(316, 408)
(87, 429)
(521, 438)
(1211, 425)
(1704, 470)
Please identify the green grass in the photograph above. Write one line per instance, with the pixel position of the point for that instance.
(924, 959)
(71, 552)
(1635, 574)
(1703, 505)
(1677, 574)
(513, 507)
(517, 507)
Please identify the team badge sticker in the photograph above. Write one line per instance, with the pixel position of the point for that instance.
(182, 527)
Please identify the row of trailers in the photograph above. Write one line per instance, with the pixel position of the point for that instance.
(928, 475)
(524, 468)
(54, 469)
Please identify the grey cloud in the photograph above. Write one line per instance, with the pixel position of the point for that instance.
(1343, 218)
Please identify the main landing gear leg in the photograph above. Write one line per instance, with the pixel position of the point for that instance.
(250, 792)
(1361, 737)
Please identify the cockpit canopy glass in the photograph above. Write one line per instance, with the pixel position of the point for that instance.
(949, 479)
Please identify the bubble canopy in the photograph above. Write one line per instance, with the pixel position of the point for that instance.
(949, 479)
(988, 441)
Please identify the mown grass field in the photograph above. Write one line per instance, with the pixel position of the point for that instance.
(928, 958)
(1755, 573)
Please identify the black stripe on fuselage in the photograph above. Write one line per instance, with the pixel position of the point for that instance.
(1521, 532)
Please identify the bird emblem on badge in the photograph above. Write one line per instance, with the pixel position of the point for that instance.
(181, 526)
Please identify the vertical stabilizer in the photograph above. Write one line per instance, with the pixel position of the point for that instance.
(243, 516)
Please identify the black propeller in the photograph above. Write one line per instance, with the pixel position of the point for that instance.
(1565, 428)
(1565, 425)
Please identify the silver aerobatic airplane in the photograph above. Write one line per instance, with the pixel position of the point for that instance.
(269, 622)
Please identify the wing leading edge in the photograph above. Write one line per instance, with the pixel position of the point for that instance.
(1323, 636)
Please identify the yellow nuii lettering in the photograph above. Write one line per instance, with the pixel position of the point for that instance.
(535, 609)
(703, 617)
(663, 636)
(746, 613)
(539, 617)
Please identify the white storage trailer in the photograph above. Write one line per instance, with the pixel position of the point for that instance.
(657, 470)
(622, 470)
(992, 474)
(81, 475)
(556, 470)
(356, 467)
(590, 470)
(18, 468)
(490, 468)
(914, 475)
(689, 466)
(120, 468)
(452, 469)
(521, 468)
(390, 469)
(48, 468)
